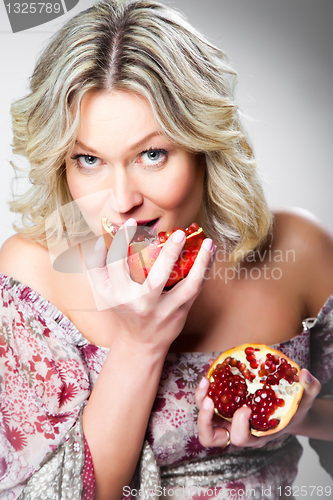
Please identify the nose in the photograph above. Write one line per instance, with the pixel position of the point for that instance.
(126, 193)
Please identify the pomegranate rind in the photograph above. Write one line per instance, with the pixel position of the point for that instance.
(143, 255)
(140, 263)
(291, 393)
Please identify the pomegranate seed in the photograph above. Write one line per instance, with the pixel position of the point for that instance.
(273, 423)
(231, 389)
(241, 366)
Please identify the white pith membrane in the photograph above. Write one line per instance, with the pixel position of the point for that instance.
(284, 389)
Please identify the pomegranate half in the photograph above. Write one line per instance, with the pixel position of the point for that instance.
(145, 248)
(263, 379)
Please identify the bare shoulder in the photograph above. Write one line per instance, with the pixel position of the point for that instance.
(29, 262)
(302, 230)
(20, 257)
(312, 243)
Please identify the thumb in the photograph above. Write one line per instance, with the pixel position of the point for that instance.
(312, 387)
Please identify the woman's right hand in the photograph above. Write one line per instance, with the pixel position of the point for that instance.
(147, 316)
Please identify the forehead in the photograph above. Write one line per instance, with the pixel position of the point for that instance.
(117, 117)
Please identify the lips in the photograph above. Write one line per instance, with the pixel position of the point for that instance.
(150, 225)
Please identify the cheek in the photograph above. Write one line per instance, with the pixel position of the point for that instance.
(187, 190)
(93, 204)
(182, 189)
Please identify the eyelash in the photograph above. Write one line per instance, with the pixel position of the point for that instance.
(77, 163)
(147, 167)
(158, 163)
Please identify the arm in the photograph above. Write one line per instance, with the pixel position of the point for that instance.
(116, 414)
(118, 410)
(116, 417)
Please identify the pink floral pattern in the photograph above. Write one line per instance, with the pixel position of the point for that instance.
(44, 383)
(48, 369)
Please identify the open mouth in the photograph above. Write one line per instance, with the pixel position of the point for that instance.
(150, 226)
(145, 226)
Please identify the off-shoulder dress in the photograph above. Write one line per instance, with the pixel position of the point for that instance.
(47, 372)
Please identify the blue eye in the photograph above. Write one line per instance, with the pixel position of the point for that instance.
(153, 157)
(86, 161)
(90, 160)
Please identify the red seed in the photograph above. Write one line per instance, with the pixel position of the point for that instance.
(254, 364)
(232, 391)
(233, 362)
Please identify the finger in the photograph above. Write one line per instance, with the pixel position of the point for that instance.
(119, 248)
(204, 260)
(201, 391)
(117, 256)
(95, 260)
(240, 434)
(116, 292)
(210, 435)
(312, 388)
(97, 272)
(189, 288)
(125, 289)
(162, 268)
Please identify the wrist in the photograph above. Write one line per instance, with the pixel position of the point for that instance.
(145, 350)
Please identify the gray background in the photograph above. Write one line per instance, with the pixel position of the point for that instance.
(283, 52)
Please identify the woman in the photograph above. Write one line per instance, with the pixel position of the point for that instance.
(131, 114)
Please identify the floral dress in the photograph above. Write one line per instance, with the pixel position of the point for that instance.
(47, 371)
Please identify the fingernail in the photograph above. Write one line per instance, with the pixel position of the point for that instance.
(203, 382)
(207, 403)
(308, 378)
(130, 222)
(214, 250)
(178, 236)
(207, 244)
(99, 243)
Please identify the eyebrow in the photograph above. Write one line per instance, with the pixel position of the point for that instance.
(134, 146)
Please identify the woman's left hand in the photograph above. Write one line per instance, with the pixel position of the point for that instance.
(212, 428)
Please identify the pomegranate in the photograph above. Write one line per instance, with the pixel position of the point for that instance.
(263, 379)
(145, 248)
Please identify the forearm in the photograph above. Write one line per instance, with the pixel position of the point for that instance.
(318, 423)
(117, 413)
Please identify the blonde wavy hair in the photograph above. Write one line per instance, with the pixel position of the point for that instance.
(144, 47)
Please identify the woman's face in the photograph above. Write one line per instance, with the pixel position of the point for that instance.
(123, 166)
